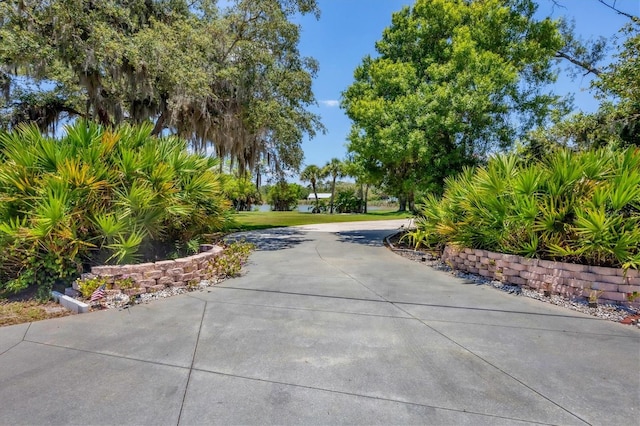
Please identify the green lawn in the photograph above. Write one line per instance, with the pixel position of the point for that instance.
(262, 220)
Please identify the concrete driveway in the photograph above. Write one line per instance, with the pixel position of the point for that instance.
(326, 326)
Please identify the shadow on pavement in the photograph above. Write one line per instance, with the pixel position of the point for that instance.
(367, 238)
(271, 239)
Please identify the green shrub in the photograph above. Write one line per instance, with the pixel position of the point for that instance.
(576, 207)
(96, 195)
(348, 202)
(284, 196)
(229, 263)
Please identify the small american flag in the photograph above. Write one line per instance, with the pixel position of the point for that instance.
(98, 294)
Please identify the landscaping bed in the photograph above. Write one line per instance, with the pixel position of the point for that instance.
(607, 310)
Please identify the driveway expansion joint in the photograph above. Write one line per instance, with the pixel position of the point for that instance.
(193, 359)
(398, 401)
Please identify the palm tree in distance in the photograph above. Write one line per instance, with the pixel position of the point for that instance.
(312, 174)
(335, 169)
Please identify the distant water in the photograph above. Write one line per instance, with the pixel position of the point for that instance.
(306, 208)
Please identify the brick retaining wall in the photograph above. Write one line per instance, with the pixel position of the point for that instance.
(567, 279)
(155, 276)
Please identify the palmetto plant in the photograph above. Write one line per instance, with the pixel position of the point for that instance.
(97, 194)
(580, 207)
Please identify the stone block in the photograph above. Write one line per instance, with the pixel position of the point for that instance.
(180, 263)
(629, 289)
(629, 273)
(493, 255)
(552, 279)
(632, 281)
(485, 273)
(175, 271)
(145, 267)
(549, 264)
(612, 279)
(517, 280)
(147, 283)
(135, 276)
(154, 274)
(603, 270)
(134, 291)
(491, 268)
(500, 263)
(614, 295)
(472, 270)
(604, 286)
(87, 276)
(165, 281)
(519, 266)
(511, 258)
(538, 270)
(484, 260)
(510, 272)
(102, 270)
(472, 258)
(588, 276)
(154, 288)
(565, 274)
(190, 267)
(528, 261)
(76, 284)
(165, 264)
(527, 275)
(113, 291)
(468, 250)
(480, 253)
(576, 283)
(574, 267)
(537, 284)
(187, 277)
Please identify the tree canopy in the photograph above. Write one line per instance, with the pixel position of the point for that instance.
(454, 79)
(229, 76)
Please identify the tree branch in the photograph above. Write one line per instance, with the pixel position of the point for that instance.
(618, 11)
(586, 66)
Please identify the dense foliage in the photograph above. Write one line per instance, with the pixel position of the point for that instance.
(284, 196)
(226, 75)
(577, 207)
(242, 192)
(96, 195)
(454, 79)
(616, 123)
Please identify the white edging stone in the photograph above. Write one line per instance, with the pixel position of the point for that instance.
(70, 303)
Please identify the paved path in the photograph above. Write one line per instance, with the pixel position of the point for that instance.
(324, 328)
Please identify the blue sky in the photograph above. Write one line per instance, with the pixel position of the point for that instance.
(348, 29)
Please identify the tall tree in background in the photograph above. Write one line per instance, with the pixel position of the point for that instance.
(616, 123)
(313, 174)
(335, 169)
(230, 77)
(454, 79)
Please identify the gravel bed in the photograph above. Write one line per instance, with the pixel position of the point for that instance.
(123, 301)
(605, 311)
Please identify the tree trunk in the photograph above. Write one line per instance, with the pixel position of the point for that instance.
(366, 196)
(315, 193)
(402, 203)
(157, 128)
(333, 192)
